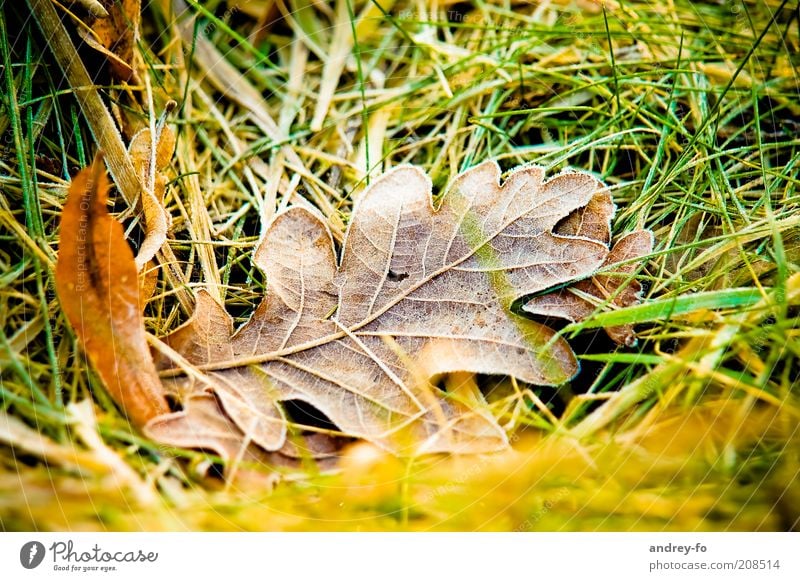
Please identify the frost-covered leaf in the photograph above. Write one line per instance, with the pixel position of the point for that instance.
(419, 291)
(579, 301)
(202, 424)
(149, 163)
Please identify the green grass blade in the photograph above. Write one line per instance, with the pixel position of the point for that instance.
(662, 309)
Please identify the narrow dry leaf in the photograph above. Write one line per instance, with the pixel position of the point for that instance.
(148, 281)
(96, 281)
(115, 35)
(419, 292)
(344, 34)
(149, 168)
(567, 304)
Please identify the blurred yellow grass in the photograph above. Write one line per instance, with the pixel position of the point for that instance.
(665, 478)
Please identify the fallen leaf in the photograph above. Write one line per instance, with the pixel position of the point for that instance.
(419, 292)
(203, 425)
(94, 7)
(577, 306)
(114, 34)
(149, 168)
(96, 281)
(592, 221)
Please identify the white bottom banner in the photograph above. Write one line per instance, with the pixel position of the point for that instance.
(407, 557)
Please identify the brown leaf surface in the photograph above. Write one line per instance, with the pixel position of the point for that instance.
(577, 306)
(96, 281)
(419, 292)
(202, 424)
(115, 34)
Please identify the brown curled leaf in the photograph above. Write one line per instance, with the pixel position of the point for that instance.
(149, 168)
(97, 286)
(114, 34)
(419, 291)
(577, 306)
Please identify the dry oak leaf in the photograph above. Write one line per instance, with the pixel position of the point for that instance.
(419, 291)
(593, 292)
(202, 424)
(97, 286)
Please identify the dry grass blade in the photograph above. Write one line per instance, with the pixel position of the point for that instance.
(94, 110)
(101, 124)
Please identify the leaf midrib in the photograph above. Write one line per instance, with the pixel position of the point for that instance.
(282, 353)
